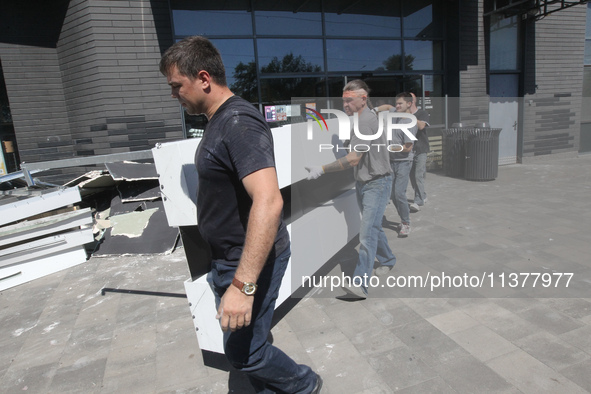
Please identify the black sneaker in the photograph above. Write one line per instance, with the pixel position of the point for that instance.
(318, 386)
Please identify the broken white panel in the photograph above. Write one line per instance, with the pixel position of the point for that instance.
(282, 147)
(97, 179)
(132, 171)
(321, 233)
(18, 274)
(175, 164)
(32, 206)
(49, 225)
(45, 246)
(202, 306)
(318, 235)
(132, 224)
(3, 170)
(316, 238)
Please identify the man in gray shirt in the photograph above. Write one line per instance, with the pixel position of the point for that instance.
(373, 176)
(402, 164)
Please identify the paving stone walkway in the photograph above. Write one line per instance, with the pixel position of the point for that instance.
(60, 335)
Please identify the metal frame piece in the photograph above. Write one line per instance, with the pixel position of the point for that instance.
(142, 292)
(28, 168)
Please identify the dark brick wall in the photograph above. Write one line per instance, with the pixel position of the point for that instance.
(552, 121)
(37, 102)
(28, 38)
(474, 103)
(96, 89)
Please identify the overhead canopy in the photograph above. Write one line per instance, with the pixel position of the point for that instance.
(535, 9)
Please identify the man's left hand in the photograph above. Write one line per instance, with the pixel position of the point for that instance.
(314, 172)
(235, 310)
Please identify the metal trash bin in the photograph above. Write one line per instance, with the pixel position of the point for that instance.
(482, 153)
(454, 150)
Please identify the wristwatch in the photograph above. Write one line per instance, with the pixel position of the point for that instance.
(247, 288)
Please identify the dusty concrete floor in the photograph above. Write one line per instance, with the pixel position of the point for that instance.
(60, 335)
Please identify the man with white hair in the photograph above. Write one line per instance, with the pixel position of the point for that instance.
(373, 176)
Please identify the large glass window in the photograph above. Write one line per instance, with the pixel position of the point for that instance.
(585, 138)
(504, 43)
(362, 25)
(423, 55)
(422, 18)
(277, 49)
(364, 55)
(280, 55)
(280, 23)
(368, 18)
(239, 60)
(588, 36)
(283, 89)
(211, 23)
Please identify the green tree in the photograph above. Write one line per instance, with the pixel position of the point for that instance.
(394, 62)
(246, 81)
(274, 89)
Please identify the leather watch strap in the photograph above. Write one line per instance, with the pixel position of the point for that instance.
(238, 284)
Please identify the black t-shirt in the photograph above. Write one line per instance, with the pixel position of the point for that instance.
(421, 145)
(236, 143)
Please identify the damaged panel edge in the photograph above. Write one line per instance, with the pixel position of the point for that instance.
(131, 225)
(132, 171)
(23, 209)
(26, 272)
(48, 225)
(44, 247)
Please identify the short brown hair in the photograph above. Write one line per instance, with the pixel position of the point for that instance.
(406, 96)
(192, 55)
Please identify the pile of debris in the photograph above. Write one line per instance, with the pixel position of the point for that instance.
(117, 211)
(42, 231)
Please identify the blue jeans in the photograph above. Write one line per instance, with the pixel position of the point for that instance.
(401, 175)
(417, 178)
(268, 368)
(373, 197)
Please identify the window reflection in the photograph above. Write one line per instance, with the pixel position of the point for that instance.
(363, 55)
(586, 104)
(418, 19)
(288, 23)
(211, 22)
(503, 43)
(587, 52)
(359, 39)
(423, 18)
(275, 90)
(362, 25)
(238, 57)
(290, 55)
(423, 55)
(434, 101)
(375, 18)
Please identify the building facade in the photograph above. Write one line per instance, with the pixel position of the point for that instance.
(80, 77)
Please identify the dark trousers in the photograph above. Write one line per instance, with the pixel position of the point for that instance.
(268, 368)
